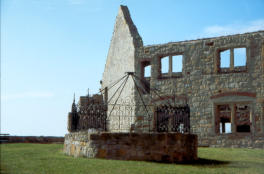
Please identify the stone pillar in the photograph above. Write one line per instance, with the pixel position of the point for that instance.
(232, 58)
(155, 68)
(170, 66)
(233, 120)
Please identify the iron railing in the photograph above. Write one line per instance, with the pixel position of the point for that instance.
(120, 116)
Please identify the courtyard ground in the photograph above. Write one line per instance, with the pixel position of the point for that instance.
(23, 158)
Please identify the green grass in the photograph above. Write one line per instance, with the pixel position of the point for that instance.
(49, 159)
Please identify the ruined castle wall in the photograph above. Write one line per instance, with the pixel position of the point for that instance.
(201, 80)
(121, 59)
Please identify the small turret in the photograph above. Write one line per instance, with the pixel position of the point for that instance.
(74, 107)
(73, 118)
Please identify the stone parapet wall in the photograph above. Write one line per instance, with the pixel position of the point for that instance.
(161, 147)
(233, 140)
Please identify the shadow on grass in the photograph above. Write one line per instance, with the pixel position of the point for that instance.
(206, 162)
(201, 162)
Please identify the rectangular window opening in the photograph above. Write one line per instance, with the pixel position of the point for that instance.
(242, 117)
(177, 63)
(225, 127)
(223, 119)
(165, 65)
(147, 71)
(240, 57)
(225, 59)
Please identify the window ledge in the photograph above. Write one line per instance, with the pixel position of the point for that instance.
(238, 69)
(237, 134)
(174, 75)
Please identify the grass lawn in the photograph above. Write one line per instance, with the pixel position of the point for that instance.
(49, 159)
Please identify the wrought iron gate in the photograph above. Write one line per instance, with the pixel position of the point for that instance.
(173, 119)
(92, 116)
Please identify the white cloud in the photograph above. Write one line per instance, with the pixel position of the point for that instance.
(235, 28)
(32, 94)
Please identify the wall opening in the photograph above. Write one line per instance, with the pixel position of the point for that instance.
(147, 71)
(145, 74)
(165, 65)
(223, 123)
(233, 117)
(240, 57)
(227, 127)
(225, 59)
(232, 60)
(242, 117)
(177, 63)
(171, 66)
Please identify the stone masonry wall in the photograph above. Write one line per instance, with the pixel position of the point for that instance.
(201, 84)
(241, 140)
(167, 147)
(200, 80)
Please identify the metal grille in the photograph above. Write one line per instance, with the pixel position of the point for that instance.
(127, 115)
(173, 119)
(92, 116)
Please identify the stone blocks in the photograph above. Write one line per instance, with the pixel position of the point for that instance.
(160, 147)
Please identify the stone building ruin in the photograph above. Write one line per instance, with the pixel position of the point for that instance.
(220, 79)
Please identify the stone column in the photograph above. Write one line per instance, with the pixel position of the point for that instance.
(155, 68)
(170, 66)
(232, 58)
(233, 122)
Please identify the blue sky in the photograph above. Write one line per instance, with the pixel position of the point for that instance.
(53, 48)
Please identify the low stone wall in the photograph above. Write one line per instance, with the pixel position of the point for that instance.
(235, 140)
(31, 139)
(161, 147)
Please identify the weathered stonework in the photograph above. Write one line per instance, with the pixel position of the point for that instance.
(125, 41)
(202, 84)
(211, 97)
(241, 140)
(160, 147)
